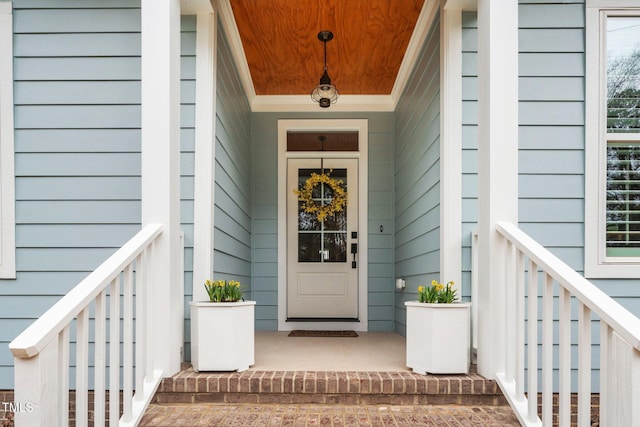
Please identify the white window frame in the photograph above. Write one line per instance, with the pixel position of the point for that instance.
(7, 189)
(596, 262)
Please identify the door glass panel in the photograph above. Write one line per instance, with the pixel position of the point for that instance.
(336, 244)
(326, 240)
(309, 247)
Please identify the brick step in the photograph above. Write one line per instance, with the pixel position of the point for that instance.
(397, 388)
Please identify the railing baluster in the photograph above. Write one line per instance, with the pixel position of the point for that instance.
(140, 342)
(520, 283)
(510, 327)
(532, 342)
(564, 398)
(619, 382)
(99, 360)
(606, 380)
(584, 366)
(547, 350)
(63, 376)
(42, 351)
(114, 349)
(148, 297)
(127, 353)
(82, 368)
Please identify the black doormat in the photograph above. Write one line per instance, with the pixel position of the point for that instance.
(323, 334)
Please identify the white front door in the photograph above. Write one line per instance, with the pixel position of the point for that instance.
(322, 254)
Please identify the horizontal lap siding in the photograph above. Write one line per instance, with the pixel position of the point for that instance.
(187, 157)
(417, 178)
(77, 150)
(469, 141)
(264, 201)
(232, 231)
(551, 146)
(265, 215)
(380, 214)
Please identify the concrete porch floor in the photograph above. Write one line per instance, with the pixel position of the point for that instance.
(370, 351)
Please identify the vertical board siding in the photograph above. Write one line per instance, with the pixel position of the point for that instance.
(77, 150)
(417, 178)
(264, 180)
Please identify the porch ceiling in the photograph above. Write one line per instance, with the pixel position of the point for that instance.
(277, 47)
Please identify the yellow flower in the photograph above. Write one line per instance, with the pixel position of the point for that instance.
(433, 283)
(420, 288)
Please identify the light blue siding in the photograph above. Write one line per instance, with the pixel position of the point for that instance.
(187, 158)
(417, 178)
(264, 180)
(232, 234)
(77, 151)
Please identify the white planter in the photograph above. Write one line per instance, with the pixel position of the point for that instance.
(438, 337)
(222, 335)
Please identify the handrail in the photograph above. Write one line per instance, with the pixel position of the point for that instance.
(530, 268)
(613, 313)
(33, 339)
(123, 376)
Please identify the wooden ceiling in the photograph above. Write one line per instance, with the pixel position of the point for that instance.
(285, 57)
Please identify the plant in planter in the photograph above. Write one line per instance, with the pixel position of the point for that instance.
(223, 291)
(438, 331)
(222, 329)
(437, 293)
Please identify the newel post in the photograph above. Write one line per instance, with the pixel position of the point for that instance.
(36, 380)
(160, 122)
(497, 170)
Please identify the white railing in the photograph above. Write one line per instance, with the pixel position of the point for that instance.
(43, 365)
(531, 267)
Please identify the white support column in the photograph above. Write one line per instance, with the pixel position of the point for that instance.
(451, 146)
(497, 169)
(205, 143)
(161, 175)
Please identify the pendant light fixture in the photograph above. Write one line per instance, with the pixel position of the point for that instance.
(325, 93)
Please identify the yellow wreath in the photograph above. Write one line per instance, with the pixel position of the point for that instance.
(338, 200)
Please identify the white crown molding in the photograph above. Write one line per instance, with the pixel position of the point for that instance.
(461, 4)
(194, 7)
(235, 43)
(303, 103)
(420, 32)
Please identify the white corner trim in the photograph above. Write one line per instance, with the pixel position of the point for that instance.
(204, 175)
(451, 146)
(7, 182)
(235, 44)
(362, 126)
(423, 25)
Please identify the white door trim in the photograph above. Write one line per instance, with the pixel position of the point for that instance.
(360, 125)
